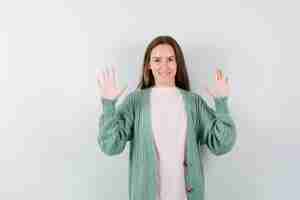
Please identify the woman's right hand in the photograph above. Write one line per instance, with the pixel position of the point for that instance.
(107, 84)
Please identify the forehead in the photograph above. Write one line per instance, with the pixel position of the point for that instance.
(162, 50)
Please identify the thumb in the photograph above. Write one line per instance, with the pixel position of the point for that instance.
(122, 90)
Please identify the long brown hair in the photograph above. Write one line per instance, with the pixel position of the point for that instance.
(181, 77)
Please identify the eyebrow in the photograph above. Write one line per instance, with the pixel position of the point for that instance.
(160, 57)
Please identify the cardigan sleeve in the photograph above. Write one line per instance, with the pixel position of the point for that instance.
(116, 125)
(216, 127)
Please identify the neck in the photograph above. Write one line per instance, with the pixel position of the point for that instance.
(165, 86)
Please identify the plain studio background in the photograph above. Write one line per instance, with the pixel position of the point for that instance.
(49, 53)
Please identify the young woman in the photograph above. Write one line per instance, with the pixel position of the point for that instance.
(165, 124)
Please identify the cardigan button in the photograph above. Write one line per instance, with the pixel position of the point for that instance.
(189, 189)
(185, 163)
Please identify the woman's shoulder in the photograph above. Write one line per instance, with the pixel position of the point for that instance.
(136, 94)
(133, 96)
(191, 95)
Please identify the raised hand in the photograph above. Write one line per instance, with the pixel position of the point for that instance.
(107, 84)
(221, 87)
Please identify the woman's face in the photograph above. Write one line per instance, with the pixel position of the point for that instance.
(163, 65)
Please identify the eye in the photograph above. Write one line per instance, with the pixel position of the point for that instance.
(156, 60)
(171, 59)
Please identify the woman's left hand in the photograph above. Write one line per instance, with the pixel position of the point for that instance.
(221, 87)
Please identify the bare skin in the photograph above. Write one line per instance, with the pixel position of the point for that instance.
(107, 84)
(163, 65)
(221, 86)
(109, 89)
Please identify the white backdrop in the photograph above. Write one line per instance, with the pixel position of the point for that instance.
(50, 50)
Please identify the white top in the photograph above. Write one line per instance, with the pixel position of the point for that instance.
(169, 125)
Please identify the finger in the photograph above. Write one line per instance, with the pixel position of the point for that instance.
(108, 71)
(106, 74)
(219, 74)
(103, 74)
(99, 83)
(99, 78)
(123, 90)
(97, 74)
(114, 76)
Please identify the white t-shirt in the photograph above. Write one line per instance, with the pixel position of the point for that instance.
(169, 125)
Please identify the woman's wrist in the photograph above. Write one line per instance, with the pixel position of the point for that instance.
(221, 104)
(108, 105)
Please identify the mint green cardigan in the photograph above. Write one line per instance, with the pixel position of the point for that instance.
(131, 122)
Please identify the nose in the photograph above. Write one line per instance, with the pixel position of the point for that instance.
(165, 63)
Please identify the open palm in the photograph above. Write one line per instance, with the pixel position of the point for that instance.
(108, 85)
(221, 87)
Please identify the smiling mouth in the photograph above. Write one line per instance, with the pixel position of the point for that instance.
(164, 74)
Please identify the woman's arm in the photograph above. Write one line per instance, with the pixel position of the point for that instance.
(216, 128)
(116, 125)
